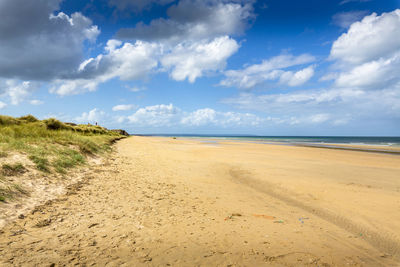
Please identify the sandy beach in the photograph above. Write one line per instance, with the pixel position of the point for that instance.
(159, 201)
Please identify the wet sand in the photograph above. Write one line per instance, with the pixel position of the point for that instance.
(165, 202)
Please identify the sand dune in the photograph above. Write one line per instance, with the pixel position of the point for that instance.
(165, 202)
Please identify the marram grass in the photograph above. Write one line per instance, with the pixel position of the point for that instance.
(52, 146)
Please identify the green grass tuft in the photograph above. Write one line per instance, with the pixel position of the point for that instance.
(28, 118)
(7, 120)
(11, 191)
(12, 170)
(68, 158)
(42, 163)
(54, 124)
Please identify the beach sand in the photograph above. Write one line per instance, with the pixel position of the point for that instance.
(165, 202)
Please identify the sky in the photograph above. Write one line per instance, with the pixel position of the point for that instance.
(272, 67)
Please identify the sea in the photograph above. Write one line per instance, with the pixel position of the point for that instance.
(385, 141)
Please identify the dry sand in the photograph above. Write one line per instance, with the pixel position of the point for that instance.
(165, 202)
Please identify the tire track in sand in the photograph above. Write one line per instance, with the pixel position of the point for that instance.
(382, 241)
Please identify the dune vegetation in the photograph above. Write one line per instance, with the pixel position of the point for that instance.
(49, 145)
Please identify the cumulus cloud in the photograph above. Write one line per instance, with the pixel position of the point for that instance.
(297, 78)
(193, 20)
(209, 116)
(39, 44)
(128, 61)
(271, 69)
(157, 115)
(368, 54)
(93, 116)
(17, 91)
(191, 61)
(200, 117)
(171, 116)
(122, 107)
(376, 74)
(2, 105)
(370, 39)
(124, 61)
(74, 86)
(345, 19)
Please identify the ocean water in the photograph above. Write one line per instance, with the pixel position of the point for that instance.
(351, 140)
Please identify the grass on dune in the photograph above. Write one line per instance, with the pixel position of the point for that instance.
(51, 145)
(12, 169)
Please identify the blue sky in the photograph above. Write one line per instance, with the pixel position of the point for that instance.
(209, 67)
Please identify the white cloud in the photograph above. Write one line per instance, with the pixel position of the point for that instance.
(370, 39)
(2, 105)
(157, 115)
(136, 61)
(37, 44)
(191, 61)
(122, 107)
(194, 20)
(36, 102)
(368, 55)
(17, 91)
(209, 116)
(75, 86)
(345, 19)
(129, 62)
(377, 74)
(200, 117)
(92, 116)
(297, 78)
(126, 61)
(271, 69)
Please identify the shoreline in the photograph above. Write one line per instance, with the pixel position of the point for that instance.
(371, 148)
(361, 148)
